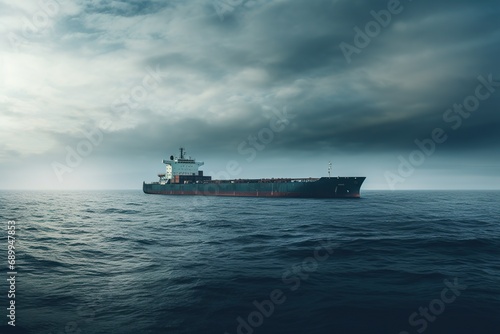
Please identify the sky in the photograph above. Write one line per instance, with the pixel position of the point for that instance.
(94, 94)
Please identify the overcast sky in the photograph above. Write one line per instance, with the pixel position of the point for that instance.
(279, 87)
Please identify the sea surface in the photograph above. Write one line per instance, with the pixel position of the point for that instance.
(126, 262)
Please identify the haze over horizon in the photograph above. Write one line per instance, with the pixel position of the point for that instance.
(94, 94)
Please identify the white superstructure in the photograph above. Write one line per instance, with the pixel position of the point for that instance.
(180, 166)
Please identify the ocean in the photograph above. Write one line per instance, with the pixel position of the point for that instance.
(399, 262)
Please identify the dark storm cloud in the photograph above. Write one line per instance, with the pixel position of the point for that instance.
(125, 8)
(397, 89)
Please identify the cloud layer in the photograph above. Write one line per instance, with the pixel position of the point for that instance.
(206, 75)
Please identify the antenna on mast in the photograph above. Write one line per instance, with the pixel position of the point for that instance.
(329, 168)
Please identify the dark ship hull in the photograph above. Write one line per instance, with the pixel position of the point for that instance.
(325, 187)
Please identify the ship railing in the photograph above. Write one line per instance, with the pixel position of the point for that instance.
(272, 180)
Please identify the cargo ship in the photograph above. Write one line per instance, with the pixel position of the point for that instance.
(183, 177)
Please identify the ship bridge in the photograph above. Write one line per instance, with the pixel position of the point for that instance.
(181, 167)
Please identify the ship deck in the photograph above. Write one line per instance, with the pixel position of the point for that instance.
(271, 180)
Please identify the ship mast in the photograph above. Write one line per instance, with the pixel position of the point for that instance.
(329, 168)
(182, 152)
